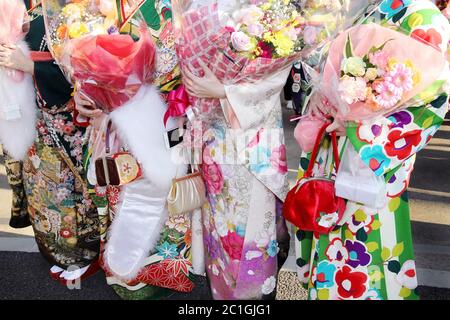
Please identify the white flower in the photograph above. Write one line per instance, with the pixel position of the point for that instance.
(352, 89)
(215, 270)
(269, 285)
(354, 66)
(252, 255)
(303, 273)
(329, 220)
(371, 74)
(407, 275)
(241, 42)
(337, 253)
(221, 226)
(251, 272)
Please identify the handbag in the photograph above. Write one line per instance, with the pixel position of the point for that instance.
(312, 205)
(116, 169)
(186, 194)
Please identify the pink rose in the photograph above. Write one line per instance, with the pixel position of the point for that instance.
(240, 41)
(233, 244)
(255, 29)
(212, 174)
(278, 159)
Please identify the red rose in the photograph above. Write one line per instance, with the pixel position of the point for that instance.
(400, 144)
(233, 245)
(351, 284)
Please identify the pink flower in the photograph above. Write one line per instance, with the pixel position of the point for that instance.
(388, 95)
(212, 174)
(233, 244)
(241, 42)
(255, 29)
(379, 59)
(401, 77)
(278, 159)
(352, 89)
(310, 35)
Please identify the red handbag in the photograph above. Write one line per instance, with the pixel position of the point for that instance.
(312, 205)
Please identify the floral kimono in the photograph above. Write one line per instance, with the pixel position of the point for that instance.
(63, 216)
(167, 268)
(244, 167)
(371, 255)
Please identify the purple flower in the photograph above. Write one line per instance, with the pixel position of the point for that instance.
(211, 247)
(358, 255)
(400, 119)
(112, 30)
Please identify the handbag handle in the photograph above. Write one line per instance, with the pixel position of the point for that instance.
(107, 142)
(312, 161)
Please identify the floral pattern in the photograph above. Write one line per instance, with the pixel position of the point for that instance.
(370, 256)
(168, 267)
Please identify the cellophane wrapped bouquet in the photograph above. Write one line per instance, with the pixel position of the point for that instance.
(103, 46)
(391, 59)
(243, 41)
(17, 94)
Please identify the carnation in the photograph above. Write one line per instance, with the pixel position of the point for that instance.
(352, 89)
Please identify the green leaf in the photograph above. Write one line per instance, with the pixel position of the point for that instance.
(385, 253)
(394, 266)
(376, 276)
(399, 15)
(348, 48)
(376, 225)
(398, 249)
(300, 235)
(301, 262)
(372, 246)
(405, 292)
(304, 163)
(361, 235)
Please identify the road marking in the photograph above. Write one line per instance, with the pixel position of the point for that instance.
(16, 244)
(431, 192)
(433, 278)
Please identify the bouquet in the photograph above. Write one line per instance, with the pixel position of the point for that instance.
(374, 69)
(17, 93)
(243, 41)
(103, 46)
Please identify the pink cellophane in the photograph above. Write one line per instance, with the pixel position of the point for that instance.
(201, 36)
(110, 69)
(12, 15)
(398, 46)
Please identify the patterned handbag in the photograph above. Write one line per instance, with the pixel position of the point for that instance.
(116, 169)
(312, 205)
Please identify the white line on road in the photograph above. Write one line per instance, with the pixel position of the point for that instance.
(17, 244)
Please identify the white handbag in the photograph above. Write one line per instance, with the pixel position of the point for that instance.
(355, 181)
(187, 194)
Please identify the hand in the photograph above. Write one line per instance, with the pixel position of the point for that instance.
(85, 106)
(12, 57)
(339, 127)
(207, 87)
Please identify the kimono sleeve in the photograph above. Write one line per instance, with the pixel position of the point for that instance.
(51, 83)
(386, 143)
(248, 104)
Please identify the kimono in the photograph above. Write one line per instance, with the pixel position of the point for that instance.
(167, 267)
(244, 168)
(63, 216)
(371, 255)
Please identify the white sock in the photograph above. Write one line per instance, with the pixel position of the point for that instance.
(73, 275)
(56, 269)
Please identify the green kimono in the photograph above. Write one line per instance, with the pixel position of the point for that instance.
(371, 255)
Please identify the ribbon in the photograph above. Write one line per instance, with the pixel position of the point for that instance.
(178, 101)
(41, 56)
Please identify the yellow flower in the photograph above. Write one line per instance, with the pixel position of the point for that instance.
(391, 63)
(77, 29)
(371, 74)
(284, 46)
(73, 10)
